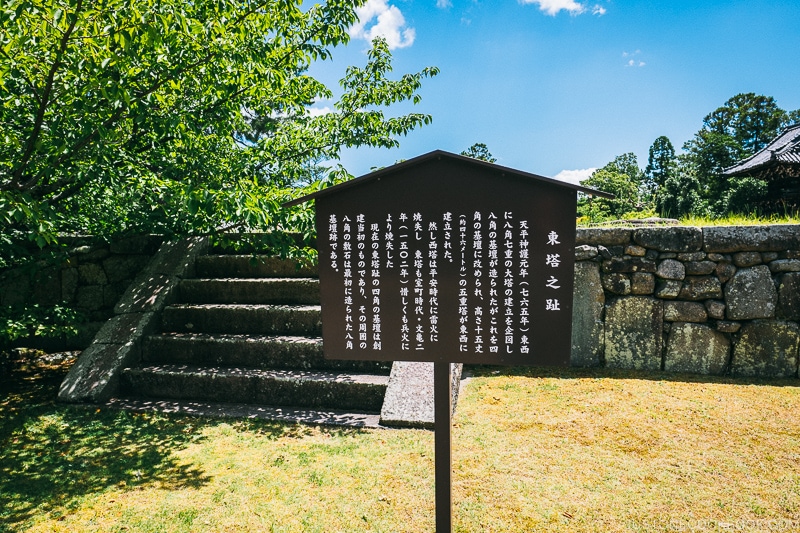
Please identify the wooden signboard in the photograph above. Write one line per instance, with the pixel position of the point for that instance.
(447, 259)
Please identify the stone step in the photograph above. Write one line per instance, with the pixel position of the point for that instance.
(285, 388)
(328, 417)
(251, 266)
(257, 351)
(250, 291)
(303, 320)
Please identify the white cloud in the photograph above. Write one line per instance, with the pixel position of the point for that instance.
(598, 10)
(633, 62)
(319, 111)
(552, 7)
(389, 24)
(575, 176)
(444, 4)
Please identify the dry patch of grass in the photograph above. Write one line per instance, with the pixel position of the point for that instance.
(627, 452)
(533, 450)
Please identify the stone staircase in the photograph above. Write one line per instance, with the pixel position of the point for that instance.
(243, 338)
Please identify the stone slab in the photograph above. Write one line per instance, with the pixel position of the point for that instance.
(177, 258)
(697, 288)
(670, 239)
(789, 295)
(751, 294)
(766, 349)
(684, 312)
(149, 292)
(409, 395)
(633, 329)
(122, 329)
(95, 375)
(697, 349)
(587, 316)
(772, 238)
(604, 236)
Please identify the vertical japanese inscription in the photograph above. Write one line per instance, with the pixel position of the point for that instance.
(405, 274)
(553, 261)
(347, 279)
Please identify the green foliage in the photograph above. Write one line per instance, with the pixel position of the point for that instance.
(625, 193)
(34, 320)
(744, 195)
(738, 129)
(680, 193)
(128, 116)
(623, 178)
(660, 165)
(479, 151)
(750, 120)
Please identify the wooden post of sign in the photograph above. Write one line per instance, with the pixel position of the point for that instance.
(443, 415)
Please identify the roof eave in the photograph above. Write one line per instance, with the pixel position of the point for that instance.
(439, 154)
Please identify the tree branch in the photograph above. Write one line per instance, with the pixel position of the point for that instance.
(43, 104)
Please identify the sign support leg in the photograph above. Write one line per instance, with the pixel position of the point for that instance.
(443, 414)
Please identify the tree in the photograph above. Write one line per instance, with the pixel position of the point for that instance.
(679, 195)
(628, 165)
(744, 124)
(751, 120)
(479, 151)
(177, 117)
(660, 165)
(623, 178)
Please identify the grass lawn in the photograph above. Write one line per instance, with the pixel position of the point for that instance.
(533, 450)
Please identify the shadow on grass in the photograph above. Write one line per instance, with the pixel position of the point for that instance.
(612, 373)
(52, 455)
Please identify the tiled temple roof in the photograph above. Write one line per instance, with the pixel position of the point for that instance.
(783, 150)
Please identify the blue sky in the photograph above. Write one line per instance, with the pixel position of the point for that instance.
(560, 87)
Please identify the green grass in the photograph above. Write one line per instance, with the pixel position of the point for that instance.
(692, 220)
(740, 220)
(533, 450)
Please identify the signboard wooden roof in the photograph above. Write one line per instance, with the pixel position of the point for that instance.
(406, 166)
(445, 258)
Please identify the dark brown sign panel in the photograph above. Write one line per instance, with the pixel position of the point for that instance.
(448, 261)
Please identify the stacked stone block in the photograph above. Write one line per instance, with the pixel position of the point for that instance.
(711, 300)
(90, 277)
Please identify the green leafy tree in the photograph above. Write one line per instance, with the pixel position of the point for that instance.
(623, 178)
(744, 124)
(744, 194)
(679, 195)
(628, 165)
(479, 151)
(177, 117)
(625, 191)
(660, 165)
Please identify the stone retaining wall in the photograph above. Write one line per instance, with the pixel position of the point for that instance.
(714, 300)
(91, 277)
